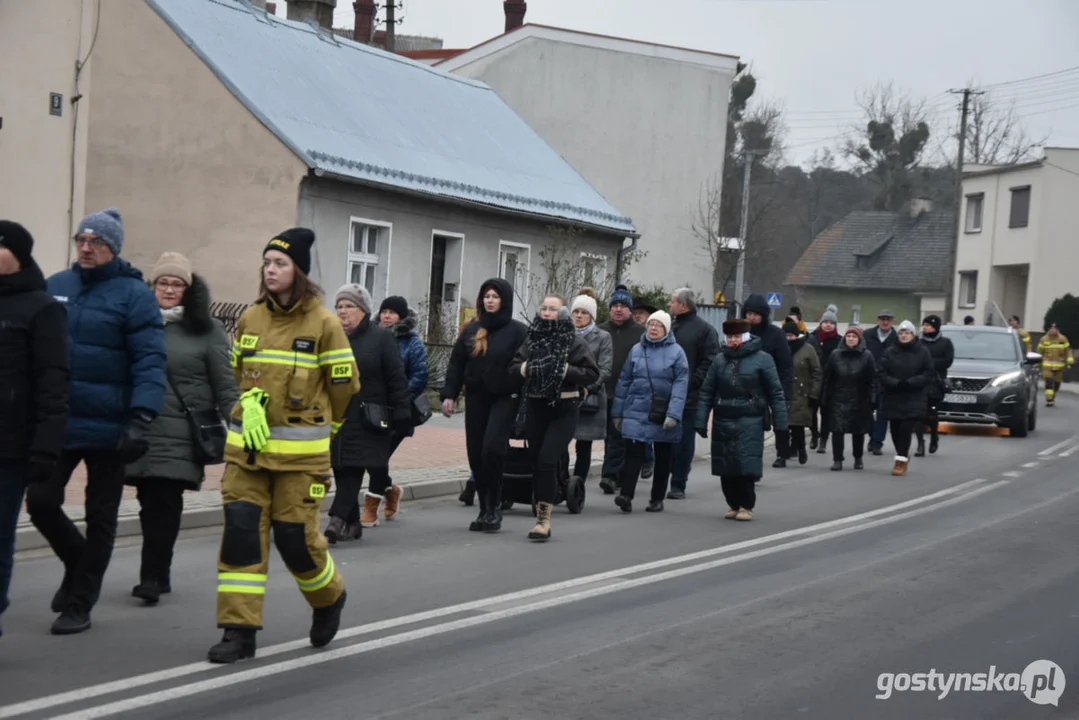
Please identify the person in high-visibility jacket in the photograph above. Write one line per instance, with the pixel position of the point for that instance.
(1015, 323)
(1057, 357)
(296, 374)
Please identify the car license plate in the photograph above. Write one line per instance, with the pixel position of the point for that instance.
(959, 399)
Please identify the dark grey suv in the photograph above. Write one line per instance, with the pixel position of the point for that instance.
(992, 381)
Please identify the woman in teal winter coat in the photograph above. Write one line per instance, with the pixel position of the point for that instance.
(741, 387)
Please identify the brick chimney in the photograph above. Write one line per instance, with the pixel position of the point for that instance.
(920, 205)
(321, 11)
(363, 30)
(515, 13)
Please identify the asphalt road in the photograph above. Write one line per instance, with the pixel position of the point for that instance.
(966, 563)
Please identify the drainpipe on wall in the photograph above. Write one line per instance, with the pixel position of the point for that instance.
(622, 252)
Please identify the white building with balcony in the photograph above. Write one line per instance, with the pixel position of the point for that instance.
(1018, 238)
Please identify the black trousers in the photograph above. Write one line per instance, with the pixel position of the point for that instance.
(902, 430)
(85, 558)
(739, 491)
(820, 421)
(488, 424)
(549, 429)
(346, 501)
(798, 439)
(161, 507)
(857, 446)
(635, 460)
(932, 421)
(584, 458)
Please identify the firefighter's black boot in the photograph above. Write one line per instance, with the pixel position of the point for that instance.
(325, 622)
(237, 644)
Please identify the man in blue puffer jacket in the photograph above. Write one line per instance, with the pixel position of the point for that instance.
(116, 345)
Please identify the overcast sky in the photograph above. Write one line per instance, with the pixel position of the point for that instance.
(813, 55)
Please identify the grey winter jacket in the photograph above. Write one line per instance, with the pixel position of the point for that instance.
(198, 362)
(593, 426)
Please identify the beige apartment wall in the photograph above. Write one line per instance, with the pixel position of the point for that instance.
(189, 167)
(40, 43)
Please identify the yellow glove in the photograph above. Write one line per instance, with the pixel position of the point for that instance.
(256, 431)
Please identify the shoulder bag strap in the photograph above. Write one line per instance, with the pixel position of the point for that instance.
(176, 391)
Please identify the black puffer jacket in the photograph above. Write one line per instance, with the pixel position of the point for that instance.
(382, 382)
(877, 346)
(33, 367)
(906, 373)
(849, 390)
(773, 341)
(824, 347)
(623, 337)
(486, 374)
(943, 353)
(700, 342)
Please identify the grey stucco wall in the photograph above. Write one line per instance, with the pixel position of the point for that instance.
(329, 206)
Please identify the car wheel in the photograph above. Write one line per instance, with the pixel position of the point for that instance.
(1019, 426)
(1032, 421)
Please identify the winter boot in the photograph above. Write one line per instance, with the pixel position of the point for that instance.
(858, 464)
(837, 465)
(731, 514)
(369, 513)
(352, 531)
(625, 503)
(237, 644)
(781, 462)
(326, 621)
(335, 530)
(822, 446)
(920, 451)
(63, 595)
(900, 465)
(608, 484)
(814, 439)
(647, 471)
(150, 591)
(480, 522)
(493, 519)
(803, 456)
(393, 502)
(654, 506)
(468, 495)
(744, 515)
(542, 530)
(934, 442)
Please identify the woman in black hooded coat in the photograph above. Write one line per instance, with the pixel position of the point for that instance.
(848, 395)
(906, 373)
(942, 351)
(480, 363)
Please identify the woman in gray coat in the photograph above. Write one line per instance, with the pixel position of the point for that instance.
(199, 369)
(592, 415)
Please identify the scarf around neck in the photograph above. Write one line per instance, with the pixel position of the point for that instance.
(549, 343)
(173, 315)
(586, 329)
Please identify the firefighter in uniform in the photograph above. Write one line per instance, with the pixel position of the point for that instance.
(1057, 357)
(1015, 323)
(296, 375)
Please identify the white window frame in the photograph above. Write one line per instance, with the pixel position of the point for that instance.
(521, 292)
(971, 277)
(365, 258)
(430, 261)
(856, 315)
(600, 285)
(969, 218)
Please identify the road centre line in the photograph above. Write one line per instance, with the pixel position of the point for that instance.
(1031, 464)
(307, 661)
(1059, 445)
(1070, 451)
(87, 693)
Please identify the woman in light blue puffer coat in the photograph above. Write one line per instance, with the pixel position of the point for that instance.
(656, 371)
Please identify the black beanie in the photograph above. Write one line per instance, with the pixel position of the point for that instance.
(18, 240)
(396, 303)
(933, 321)
(791, 328)
(296, 243)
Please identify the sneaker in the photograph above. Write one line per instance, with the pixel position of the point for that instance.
(236, 644)
(326, 621)
(837, 466)
(393, 502)
(72, 621)
(625, 503)
(744, 515)
(654, 506)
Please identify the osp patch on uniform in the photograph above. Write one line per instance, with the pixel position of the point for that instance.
(318, 490)
(341, 373)
(249, 342)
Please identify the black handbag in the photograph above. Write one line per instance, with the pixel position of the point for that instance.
(421, 410)
(590, 405)
(657, 410)
(208, 432)
(374, 417)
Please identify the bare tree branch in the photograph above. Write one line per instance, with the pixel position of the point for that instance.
(995, 133)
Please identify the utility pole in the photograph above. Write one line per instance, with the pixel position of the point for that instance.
(391, 26)
(967, 93)
(739, 277)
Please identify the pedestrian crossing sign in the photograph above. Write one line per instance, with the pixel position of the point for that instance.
(775, 300)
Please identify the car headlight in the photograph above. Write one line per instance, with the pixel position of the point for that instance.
(1007, 378)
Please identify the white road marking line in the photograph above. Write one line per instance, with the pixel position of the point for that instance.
(1059, 445)
(1031, 464)
(1070, 451)
(303, 663)
(1012, 474)
(87, 693)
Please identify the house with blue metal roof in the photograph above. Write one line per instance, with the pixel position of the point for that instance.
(214, 125)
